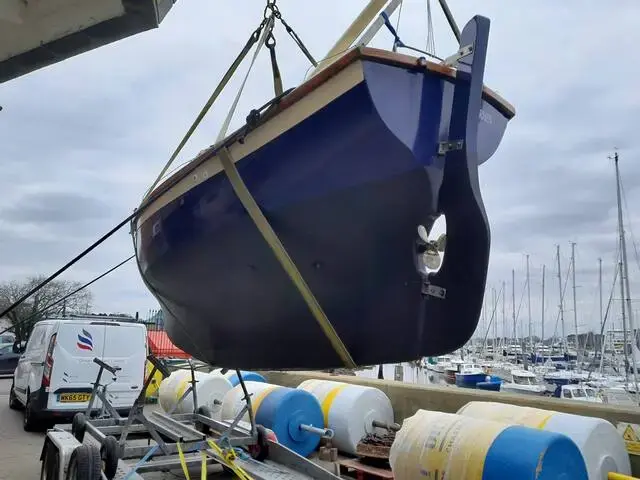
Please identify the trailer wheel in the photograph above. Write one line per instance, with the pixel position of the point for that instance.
(79, 426)
(205, 412)
(50, 463)
(109, 453)
(260, 450)
(85, 464)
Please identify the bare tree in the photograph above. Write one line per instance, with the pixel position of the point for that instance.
(25, 316)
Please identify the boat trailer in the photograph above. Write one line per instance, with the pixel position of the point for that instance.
(101, 445)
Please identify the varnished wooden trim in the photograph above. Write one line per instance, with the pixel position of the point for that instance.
(408, 61)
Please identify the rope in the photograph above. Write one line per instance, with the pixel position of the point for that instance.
(283, 257)
(397, 41)
(271, 12)
(298, 41)
(294, 36)
(394, 46)
(431, 42)
(207, 106)
(263, 38)
(72, 262)
(60, 300)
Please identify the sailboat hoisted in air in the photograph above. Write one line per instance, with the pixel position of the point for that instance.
(301, 239)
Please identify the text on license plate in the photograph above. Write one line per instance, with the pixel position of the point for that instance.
(74, 397)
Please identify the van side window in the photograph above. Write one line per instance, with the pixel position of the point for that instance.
(36, 339)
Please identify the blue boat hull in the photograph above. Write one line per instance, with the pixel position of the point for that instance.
(492, 385)
(471, 380)
(344, 190)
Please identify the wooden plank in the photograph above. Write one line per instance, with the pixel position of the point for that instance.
(364, 470)
(373, 451)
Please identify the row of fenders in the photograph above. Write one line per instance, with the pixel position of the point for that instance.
(495, 440)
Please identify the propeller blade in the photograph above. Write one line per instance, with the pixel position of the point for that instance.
(422, 233)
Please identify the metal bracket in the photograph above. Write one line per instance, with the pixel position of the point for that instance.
(445, 147)
(459, 55)
(434, 291)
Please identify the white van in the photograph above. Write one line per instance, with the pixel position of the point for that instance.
(56, 372)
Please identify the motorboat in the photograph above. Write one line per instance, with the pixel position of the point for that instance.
(441, 363)
(469, 374)
(580, 393)
(523, 381)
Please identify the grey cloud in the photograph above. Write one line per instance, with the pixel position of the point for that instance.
(54, 208)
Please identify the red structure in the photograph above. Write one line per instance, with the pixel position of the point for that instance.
(162, 347)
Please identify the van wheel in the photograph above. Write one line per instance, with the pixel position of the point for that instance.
(14, 403)
(30, 423)
(50, 463)
(109, 453)
(85, 463)
(79, 426)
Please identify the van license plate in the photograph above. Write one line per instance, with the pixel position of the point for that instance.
(74, 397)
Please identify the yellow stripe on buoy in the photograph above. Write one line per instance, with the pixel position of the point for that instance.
(154, 385)
(183, 385)
(255, 404)
(619, 476)
(328, 401)
(543, 423)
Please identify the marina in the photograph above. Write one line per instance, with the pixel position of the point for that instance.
(371, 269)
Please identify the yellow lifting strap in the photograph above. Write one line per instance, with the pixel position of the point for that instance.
(183, 462)
(227, 459)
(281, 254)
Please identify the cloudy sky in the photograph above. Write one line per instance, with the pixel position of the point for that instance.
(80, 141)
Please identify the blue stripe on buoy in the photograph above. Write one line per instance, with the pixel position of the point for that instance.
(247, 377)
(531, 454)
(283, 410)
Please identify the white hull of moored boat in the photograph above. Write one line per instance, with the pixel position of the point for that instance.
(524, 389)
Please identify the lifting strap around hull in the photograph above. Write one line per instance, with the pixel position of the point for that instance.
(283, 257)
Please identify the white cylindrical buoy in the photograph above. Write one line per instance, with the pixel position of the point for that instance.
(350, 410)
(211, 390)
(445, 445)
(294, 415)
(601, 445)
(247, 376)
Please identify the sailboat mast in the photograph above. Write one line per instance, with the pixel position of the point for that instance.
(624, 277)
(573, 283)
(602, 335)
(529, 307)
(494, 319)
(542, 315)
(504, 314)
(564, 337)
(484, 320)
(624, 318)
(513, 304)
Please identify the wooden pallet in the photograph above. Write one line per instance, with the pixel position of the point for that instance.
(373, 451)
(361, 471)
